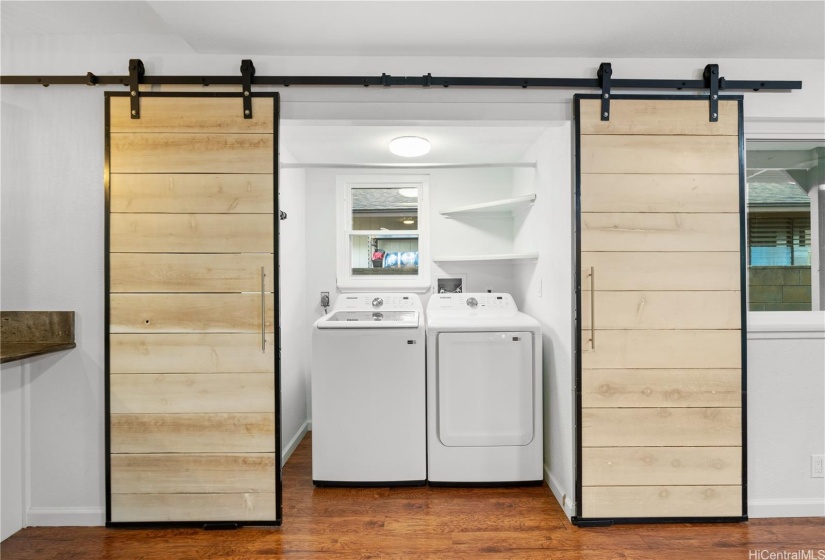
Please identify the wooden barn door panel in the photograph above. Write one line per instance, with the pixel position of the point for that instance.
(660, 316)
(192, 311)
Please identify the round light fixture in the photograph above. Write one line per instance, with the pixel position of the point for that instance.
(410, 192)
(408, 221)
(410, 146)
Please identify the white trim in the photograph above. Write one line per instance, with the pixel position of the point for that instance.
(66, 517)
(802, 507)
(27, 444)
(786, 324)
(567, 505)
(290, 447)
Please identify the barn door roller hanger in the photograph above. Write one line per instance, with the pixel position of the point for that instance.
(710, 84)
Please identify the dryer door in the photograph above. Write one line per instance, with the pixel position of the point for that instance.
(485, 389)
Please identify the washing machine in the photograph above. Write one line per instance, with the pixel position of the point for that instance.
(369, 392)
(484, 392)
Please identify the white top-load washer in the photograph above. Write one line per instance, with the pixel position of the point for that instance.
(484, 391)
(368, 392)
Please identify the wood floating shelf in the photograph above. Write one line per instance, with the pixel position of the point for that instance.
(33, 333)
(530, 255)
(503, 206)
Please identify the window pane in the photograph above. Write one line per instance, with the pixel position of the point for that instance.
(779, 224)
(390, 255)
(381, 208)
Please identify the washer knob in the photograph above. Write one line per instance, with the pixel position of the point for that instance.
(377, 302)
(472, 302)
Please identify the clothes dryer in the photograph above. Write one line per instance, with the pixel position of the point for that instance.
(484, 391)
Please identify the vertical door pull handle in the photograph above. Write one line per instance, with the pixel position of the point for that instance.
(592, 308)
(263, 311)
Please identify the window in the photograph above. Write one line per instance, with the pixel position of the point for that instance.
(783, 181)
(383, 232)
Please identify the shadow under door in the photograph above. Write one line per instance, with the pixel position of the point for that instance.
(192, 384)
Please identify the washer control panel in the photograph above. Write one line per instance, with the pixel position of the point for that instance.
(377, 302)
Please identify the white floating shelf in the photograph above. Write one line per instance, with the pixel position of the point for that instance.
(509, 205)
(503, 257)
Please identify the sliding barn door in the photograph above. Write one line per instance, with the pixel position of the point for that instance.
(191, 288)
(661, 352)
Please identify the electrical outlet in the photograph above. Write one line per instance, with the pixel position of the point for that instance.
(489, 289)
(817, 466)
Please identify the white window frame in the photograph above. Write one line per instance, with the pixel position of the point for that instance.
(345, 280)
(791, 130)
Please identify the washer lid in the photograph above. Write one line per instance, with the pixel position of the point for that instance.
(369, 320)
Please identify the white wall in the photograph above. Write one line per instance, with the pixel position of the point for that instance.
(52, 208)
(52, 259)
(545, 291)
(786, 416)
(294, 322)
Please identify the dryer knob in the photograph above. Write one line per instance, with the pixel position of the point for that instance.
(472, 302)
(377, 302)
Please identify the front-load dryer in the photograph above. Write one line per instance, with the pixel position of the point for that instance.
(368, 392)
(484, 391)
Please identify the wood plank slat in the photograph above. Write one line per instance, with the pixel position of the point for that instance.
(649, 116)
(192, 193)
(247, 506)
(639, 271)
(191, 313)
(653, 388)
(664, 349)
(661, 466)
(660, 154)
(193, 433)
(661, 501)
(659, 193)
(196, 272)
(191, 233)
(176, 393)
(659, 232)
(193, 473)
(667, 427)
(190, 353)
(191, 114)
(662, 310)
(191, 153)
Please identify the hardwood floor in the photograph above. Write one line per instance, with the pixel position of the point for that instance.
(337, 523)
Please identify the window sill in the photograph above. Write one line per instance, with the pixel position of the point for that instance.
(417, 286)
(786, 324)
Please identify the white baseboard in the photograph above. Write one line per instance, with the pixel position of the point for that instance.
(293, 443)
(66, 517)
(566, 502)
(309, 424)
(806, 507)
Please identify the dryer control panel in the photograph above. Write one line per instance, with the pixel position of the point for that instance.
(481, 302)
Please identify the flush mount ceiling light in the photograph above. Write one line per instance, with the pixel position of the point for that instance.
(410, 146)
(411, 192)
(408, 221)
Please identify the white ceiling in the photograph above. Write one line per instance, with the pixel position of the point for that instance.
(706, 29)
(369, 144)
